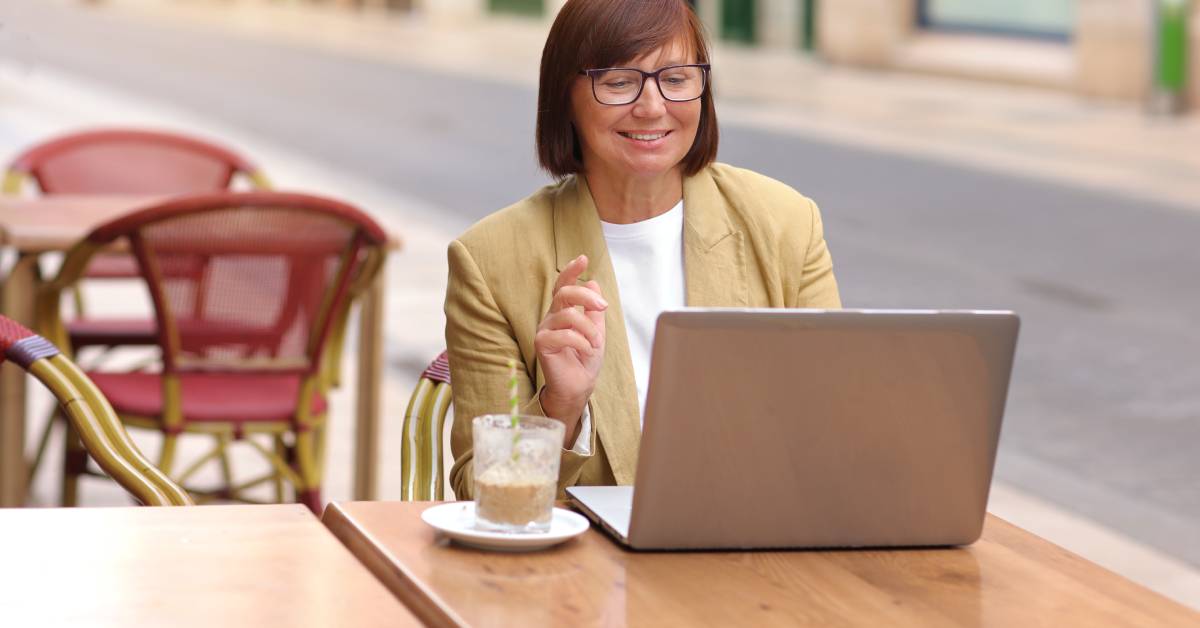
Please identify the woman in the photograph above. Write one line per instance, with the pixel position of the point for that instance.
(569, 281)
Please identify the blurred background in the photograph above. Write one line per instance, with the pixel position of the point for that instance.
(1035, 155)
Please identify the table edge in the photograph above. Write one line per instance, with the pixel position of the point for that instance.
(417, 598)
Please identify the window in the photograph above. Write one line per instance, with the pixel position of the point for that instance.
(1034, 18)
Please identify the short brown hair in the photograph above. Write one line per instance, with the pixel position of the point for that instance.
(604, 33)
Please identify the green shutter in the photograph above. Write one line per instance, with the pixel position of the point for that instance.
(520, 7)
(738, 21)
(1171, 70)
(808, 27)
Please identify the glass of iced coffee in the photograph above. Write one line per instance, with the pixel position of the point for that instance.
(516, 471)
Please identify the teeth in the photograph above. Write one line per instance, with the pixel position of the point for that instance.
(644, 137)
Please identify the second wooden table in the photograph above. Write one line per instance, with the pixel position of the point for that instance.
(1009, 578)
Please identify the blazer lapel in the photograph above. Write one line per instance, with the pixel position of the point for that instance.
(614, 401)
(714, 259)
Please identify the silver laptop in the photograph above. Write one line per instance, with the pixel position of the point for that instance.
(813, 428)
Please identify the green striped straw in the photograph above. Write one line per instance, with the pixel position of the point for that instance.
(513, 404)
(512, 390)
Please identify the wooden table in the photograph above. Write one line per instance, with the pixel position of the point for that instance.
(226, 566)
(32, 227)
(1009, 578)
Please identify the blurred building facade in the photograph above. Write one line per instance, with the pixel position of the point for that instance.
(1098, 48)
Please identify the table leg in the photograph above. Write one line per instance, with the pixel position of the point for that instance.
(18, 294)
(370, 388)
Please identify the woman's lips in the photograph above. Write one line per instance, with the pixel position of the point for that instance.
(644, 136)
(645, 139)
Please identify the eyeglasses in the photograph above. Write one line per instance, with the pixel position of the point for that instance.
(621, 86)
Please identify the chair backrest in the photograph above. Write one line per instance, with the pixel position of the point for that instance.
(241, 280)
(424, 422)
(103, 436)
(128, 161)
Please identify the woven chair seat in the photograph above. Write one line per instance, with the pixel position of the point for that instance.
(209, 397)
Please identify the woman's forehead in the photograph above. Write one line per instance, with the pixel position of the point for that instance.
(677, 51)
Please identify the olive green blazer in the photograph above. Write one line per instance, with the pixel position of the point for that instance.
(749, 241)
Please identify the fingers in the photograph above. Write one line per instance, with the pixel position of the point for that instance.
(572, 318)
(571, 273)
(595, 315)
(578, 296)
(551, 341)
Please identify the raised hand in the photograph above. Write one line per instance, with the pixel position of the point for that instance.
(570, 346)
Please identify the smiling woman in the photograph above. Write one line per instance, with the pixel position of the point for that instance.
(569, 282)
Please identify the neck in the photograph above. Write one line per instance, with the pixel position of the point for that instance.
(624, 199)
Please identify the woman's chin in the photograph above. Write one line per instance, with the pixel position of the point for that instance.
(649, 168)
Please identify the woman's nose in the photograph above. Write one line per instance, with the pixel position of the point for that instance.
(650, 103)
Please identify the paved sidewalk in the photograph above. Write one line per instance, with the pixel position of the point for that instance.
(1028, 132)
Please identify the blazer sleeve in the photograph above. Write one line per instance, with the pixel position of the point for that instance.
(818, 288)
(480, 342)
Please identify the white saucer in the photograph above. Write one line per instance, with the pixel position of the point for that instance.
(457, 521)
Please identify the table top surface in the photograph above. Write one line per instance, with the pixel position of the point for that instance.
(54, 223)
(223, 566)
(1008, 578)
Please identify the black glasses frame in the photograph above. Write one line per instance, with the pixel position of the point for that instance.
(704, 67)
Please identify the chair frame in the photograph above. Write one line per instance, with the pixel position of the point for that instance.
(25, 167)
(424, 421)
(307, 452)
(90, 415)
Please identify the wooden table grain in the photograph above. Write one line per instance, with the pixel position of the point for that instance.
(1009, 578)
(35, 226)
(204, 566)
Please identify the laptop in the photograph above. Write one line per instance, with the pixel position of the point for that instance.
(814, 429)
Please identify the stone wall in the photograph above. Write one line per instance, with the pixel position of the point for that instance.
(1113, 48)
(864, 32)
(779, 23)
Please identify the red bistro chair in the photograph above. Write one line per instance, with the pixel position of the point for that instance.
(128, 161)
(89, 414)
(248, 290)
(124, 161)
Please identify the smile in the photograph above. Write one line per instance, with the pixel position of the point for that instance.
(644, 137)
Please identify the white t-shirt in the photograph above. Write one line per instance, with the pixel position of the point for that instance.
(647, 258)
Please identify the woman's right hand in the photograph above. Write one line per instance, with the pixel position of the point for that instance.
(570, 346)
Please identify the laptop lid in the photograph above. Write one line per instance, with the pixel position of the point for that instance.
(812, 428)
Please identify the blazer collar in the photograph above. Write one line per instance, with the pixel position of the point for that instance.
(577, 227)
(614, 405)
(715, 274)
(577, 222)
(714, 259)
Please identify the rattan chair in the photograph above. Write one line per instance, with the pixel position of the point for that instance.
(424, 422)
(248, 290)
(128, 161)
(124, 161)
(121, 161)
(90, 416)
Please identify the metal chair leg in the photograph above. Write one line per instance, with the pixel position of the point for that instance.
(229, 492)
(74, 465)
(309, 493)
(167, 457)
(43, 443)
(281, 450)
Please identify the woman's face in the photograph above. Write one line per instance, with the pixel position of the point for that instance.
(645, 138)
